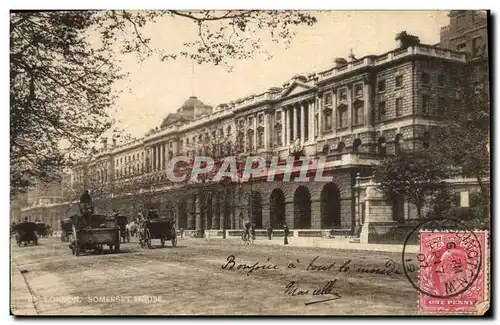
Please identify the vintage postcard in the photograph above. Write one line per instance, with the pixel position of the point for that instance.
(250, 162)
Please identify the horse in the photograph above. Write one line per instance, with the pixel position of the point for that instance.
(132, 228)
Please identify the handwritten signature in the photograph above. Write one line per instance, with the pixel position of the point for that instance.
(292, 289)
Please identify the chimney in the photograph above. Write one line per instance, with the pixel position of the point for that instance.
(105, 143)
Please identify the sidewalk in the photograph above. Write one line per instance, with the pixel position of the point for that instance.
(334, 243)
(21, 301)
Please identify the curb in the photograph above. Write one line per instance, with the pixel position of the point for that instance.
(332, 244)
(21, 299)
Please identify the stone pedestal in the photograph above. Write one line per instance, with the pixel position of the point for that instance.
(378, 215)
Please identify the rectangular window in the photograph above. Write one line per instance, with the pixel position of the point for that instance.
(278, 137)
(440, 80)
(328, 99)
(278, 116)
(426, 78)
(260, 139)
(399, 81)
(358, 113)
(381, 111)
(343, 117)
(477, 47)
(250, 121)
(342, 94)
(462, 47)
(261, 119)
(358, 90)
(425, 104)
(381, 86)
(399, 107)
(441, 106)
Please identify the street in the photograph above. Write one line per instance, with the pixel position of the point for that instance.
(202, 277)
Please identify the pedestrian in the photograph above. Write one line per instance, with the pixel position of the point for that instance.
(269, 232)
(287, 232)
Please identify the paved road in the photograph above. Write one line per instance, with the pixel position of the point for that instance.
(190, 280)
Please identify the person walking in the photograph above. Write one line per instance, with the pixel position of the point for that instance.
(287, 232)
(269, 232)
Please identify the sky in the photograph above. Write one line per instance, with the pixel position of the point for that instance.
(153, 89)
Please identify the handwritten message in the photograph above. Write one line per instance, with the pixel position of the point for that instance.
(327, 290)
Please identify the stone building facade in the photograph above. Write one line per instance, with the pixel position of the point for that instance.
(352, 115)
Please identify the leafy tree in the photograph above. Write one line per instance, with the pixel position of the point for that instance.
(63, 66)
(413, 176)
(462, 139)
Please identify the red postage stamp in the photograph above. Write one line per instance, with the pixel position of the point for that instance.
(452, 277)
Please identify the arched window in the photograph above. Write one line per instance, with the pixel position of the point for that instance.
(340, 147)
(356, 145)
(381, 146)
(326, 149)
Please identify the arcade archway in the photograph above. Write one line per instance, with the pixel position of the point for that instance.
(256, 205)
(302, 208)
(330, 207)
(277, 208)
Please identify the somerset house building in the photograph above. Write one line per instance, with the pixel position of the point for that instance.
(353, 114)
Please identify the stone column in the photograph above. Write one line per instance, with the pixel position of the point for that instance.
(286, 127)
(215, 212)
(367, 107)
(266, 217)
(222, 211)
(349, 107)
(267, 131)
(289, 214)
(283, 128)
(197, 213)
(315, 214)
(334, 112)
(319, 111)
(302, 122)
(190, 215)
(296, 125)
(311, 120)
(255, 132)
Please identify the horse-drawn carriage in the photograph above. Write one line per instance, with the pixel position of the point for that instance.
(25, 232)
(157, 228)
(43, 229)
(92, 232)
(121, 222)
(66, 229)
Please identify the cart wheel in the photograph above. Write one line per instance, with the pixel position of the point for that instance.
(174, 242)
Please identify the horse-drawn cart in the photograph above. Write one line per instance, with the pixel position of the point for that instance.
(41, 229)
(158, 228)
(121, 222)
(26, 233)
(93, 232)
